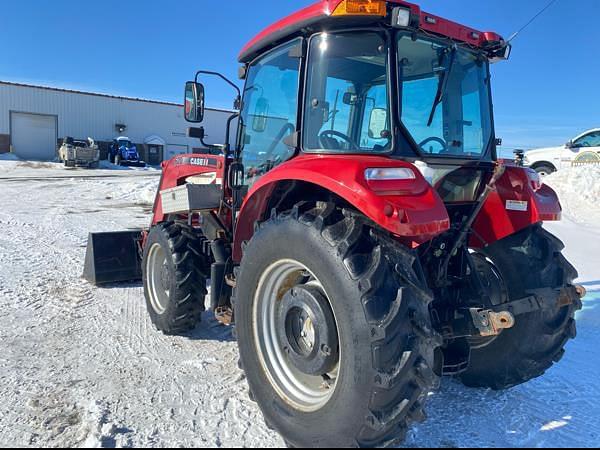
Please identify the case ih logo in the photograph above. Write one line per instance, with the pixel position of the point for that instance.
(194, 161)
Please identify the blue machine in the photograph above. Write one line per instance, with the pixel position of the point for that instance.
(123, 152)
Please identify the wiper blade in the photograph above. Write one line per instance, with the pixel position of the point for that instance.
(442, 86)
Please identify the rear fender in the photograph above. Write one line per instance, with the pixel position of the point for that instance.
(176, 171)
(413, 212)
(515, 205)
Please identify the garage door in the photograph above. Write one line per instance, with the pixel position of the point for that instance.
(33, 136)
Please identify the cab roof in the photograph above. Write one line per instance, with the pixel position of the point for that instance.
(320, 13)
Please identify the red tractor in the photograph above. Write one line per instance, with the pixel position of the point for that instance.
(359, 231)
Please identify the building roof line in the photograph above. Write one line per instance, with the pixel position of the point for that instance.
(97, 94)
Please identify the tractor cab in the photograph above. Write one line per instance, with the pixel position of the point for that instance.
(375, 78)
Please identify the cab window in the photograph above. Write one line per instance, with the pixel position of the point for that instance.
(270, 111)
(445, 97)
(347, 101)
(589, 140)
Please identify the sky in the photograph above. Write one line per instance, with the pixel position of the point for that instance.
(544, 96)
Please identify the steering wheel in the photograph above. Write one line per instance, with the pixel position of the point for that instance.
(440, 141)
(326, 136)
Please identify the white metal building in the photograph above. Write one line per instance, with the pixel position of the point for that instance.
(33, 119)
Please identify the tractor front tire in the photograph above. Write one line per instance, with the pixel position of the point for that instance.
(528, 260)
(174, 276)
(337, 346)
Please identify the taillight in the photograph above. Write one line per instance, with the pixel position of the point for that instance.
(391, 180)
(389, 174)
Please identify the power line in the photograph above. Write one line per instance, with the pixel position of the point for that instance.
(552, 2)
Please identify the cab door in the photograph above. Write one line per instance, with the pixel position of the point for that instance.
(269, 118)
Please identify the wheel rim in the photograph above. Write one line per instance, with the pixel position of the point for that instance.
(304, 392)
(158, 278)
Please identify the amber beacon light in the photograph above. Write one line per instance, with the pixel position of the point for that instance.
(361, 8)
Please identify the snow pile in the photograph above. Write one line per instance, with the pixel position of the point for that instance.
(8, 162)
(107, 165)
(138, 191)
(579, 191)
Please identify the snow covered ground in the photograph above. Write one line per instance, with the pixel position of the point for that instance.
(81, 366)
(11, 166)
(579, 192)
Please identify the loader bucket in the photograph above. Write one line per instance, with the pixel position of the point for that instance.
(113, 257)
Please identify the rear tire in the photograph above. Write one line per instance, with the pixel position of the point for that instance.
(387, 347)
(174, 275)
(528, 260)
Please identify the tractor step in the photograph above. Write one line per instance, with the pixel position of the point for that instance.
(113, 257)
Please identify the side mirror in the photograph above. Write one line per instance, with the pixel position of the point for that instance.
(570, 144)
(236, 175)
(194, 102)
(378, 123)
(350, 98)
(261, 114)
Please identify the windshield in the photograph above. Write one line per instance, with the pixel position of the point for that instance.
(347, 100)
(126, 144)
(445, 98)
